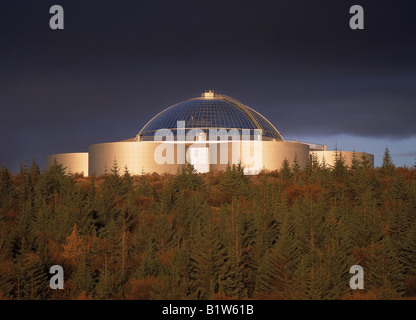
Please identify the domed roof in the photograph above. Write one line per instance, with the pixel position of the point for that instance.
(210, 111)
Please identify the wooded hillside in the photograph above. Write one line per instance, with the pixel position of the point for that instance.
(292, 234)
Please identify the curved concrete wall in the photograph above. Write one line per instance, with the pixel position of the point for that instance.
(103, 155)
(140, 156)
(137, 156)
(275, 152)
(72, 162)
(328, 157)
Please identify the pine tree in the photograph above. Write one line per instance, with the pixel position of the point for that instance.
(187, 179)
(312, 164)
(34, 172)
(83, 277)
(224, 269)
(112, 194)
(51, 181)
(340, 170)
(396, 206)
(6, 271)
(75, 248)
(143, 186)
(296, 165)
(315, 170)
(385, 273)
(175, 284)
(230, 281)
(31, 278)
(115, 179)
(355, 162)
(408, 252)
(7, 189)
(201, 257)
(365, 163)
(247, 264)
(234, 183)
(286, 172)
(127, 182)
(276, 272)
(150, 265)
(388, 166)
(103, 287)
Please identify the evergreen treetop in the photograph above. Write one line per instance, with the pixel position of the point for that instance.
(388, 165)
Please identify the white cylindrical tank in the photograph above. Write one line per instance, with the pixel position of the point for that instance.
(138, 157)
(72, 162)
(275, 152)
(328, 157)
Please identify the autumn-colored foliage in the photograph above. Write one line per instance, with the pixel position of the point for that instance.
(287, 234)
(140, 289)
(75, 247)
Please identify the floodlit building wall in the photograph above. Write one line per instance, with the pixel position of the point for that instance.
(275, 152)
(72, 162)
(267, 155)
(227, 152)
(328, 157)
(148, 164)
(138, 157)
(103, 156)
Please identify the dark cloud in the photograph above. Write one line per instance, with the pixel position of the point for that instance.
(409, 154)
(116, 64)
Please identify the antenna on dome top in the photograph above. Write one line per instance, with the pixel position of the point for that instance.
(210, 94)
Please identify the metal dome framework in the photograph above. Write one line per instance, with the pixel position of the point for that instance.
(210, 111)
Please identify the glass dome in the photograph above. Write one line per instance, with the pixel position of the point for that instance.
(210, 111)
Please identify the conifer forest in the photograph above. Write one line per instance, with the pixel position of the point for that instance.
(287, 234)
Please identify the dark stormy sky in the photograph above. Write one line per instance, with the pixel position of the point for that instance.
(117, 63)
